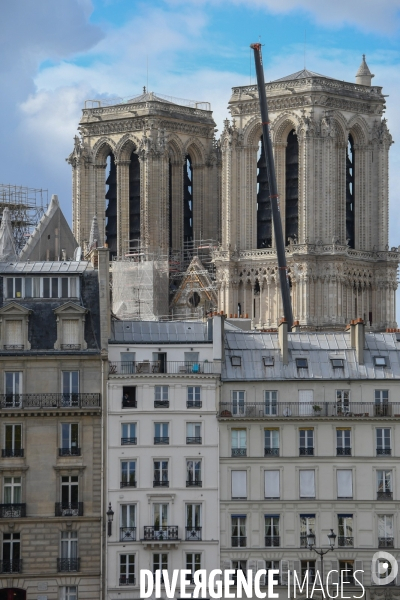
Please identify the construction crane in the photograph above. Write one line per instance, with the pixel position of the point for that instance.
(273, 190)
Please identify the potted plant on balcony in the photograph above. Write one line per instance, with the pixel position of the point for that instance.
(317, 409)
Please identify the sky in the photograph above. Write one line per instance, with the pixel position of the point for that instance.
(56, 55)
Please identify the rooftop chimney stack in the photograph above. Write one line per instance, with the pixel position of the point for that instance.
(359, 328)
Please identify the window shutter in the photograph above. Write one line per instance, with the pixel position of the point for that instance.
(272, 484)
(260, 567)
(335, 568)
(344, 483)
(284, 572)
(239, 484)
(307, 484)
(358, 566)
(13, 335)
(70, 331)
(297, 570)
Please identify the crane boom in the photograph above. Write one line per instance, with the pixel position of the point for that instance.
(273, 190)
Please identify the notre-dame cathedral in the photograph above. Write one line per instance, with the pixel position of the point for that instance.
(154, 175)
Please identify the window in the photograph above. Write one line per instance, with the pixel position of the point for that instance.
(239, 485)
(161, 396)
(13, 335)
(272, 484)
(69, 440)
(307, 525)
(129, 397)
(69, 496)
(238, 402)
(268, 361)
(193, 473)
(272, 565)
(193, 396)
(193, 433)
(193, 522)
(192, 360)
(69, 560)
(308, 569)
(271, 402)
(382, 408)
(383, 442)
(13, 441)
(128, 473)
(193, 562)
(345, 531)
(236, 361)
(128, 433)
(69, 592)
(302, 363)
(13, 387)
(342, 402)
(160, 563)
(384, 485)
(307, 484)
(337, 363)
(11, 553)
(12, 490)
(41, 287)
(239, 538)
(343, 441)
(161, 435)
(128, 523)
(160, 473)
(344, 483)
(306, 442)
(239, 442)
(272, 538)
(385, 531)
(380, 361)
(306, 404)
(70, 388)
(239, 565)
(126, 569)
(271, 442)
(346, 568)
(160, 515)
(127, 362)
(70, 334)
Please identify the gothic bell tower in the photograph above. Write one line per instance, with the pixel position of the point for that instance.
(331, 146)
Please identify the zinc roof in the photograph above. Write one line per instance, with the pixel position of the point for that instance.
(157, 332)
(60, 266)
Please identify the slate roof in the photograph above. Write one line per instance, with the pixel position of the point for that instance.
(303, 74)
(43, 267)
(319, 348)
(159, 332)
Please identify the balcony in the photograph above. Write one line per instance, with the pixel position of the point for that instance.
(147, 367)
(129, 403)
(239, 452)
(345, 541)
(69, 509)
(384, 495)
(127, 534)
(161, 403)
(193, 483)
(12, 511)
(194, 404)
(386, 542)
(238, 541)
(127, 580)
(165, 533)
(161, 440)
(69, 451)
(65, 565)
(271, 451)
(306, 451)
(160, 483)
(343, 451)
(194, 440)
(193, 534)
(287, 410)
(128, 483)
(128, 440)
(11, 566)
(383, 451)
(272, 541)
(36, 401)
(12, 453)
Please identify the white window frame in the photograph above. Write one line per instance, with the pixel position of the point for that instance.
(68, 592)
(271, 402)
(194, 396)
(238, 402)
(384, 444)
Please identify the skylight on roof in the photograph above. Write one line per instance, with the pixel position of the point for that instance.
(302, 363)
(236, 361)
(337, 363)
(268, 361)
(380, 361)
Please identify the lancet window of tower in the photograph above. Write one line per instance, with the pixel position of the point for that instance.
(350, 192)
(111, 205)
(134, 200)
(292, 188)
(264, 215)
(188, 199)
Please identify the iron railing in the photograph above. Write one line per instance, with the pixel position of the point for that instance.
(387, 542)
(193, 534)
(161, 483)
(11, 566)
(12, 453)
(306, 451)
(384, 495)
(383, 451)
(345, 541)
(86, 400)
(172, 367)
(68, 564)
(161, 533)
(69, 451)
(272, 540)
(129, 403)
(194, 404)
(127, 534)
(271, 451)
(161, 403)
(239, 452)
(343, 451)
(12, 511)
(128, 483)
(69, 509)
(238, 541)
(128, 440)
(263, 410)
(127, 580)
(161, 440)
(193, 440)
(194, 483)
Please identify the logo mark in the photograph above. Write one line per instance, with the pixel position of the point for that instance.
(384, 568)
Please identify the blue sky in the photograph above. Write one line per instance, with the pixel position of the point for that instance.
(57, 54)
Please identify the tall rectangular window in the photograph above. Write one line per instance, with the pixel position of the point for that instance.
(160, 473)
(11, 552)
(70, 334)
(13, 441)
(344, 483)
(306, 442)
(382, 403)
(12, 490)
(343, 441)
(239, 538)
(307, 525)
(126, 569)
(128, 433)
(193, 433)
(161, 398)
(160, 563)
(307, 483)
(272, 484)
(238, 402)
(161, 433)
(385, 531)
(346, 570)
(272, 538)
(69, 495)
(70, 388)
(345, 531)
(193, 522)
(271, 442)
(13, 387)
(69, 551)
(308, 569)
(128, 523)
(193, 396)
(127, 364)
(271, 402)
(160, 516)
(193, 473)
(13, 334)
(342, 402)
(70, 439)
(383, 447)
(384, 485)
(239, 442)
(69, 592)
(239, 485)
(128, 473)
(193, 562)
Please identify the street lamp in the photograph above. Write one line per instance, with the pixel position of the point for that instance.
(321, 552)
(110, 516)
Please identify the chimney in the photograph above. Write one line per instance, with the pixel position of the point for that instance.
(352, 334)
(296, 327)
(218, 339)
(359, 328)
(283, 340)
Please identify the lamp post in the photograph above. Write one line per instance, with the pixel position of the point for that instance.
(321, 552)
(110, 516)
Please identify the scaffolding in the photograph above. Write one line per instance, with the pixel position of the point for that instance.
(27, 206)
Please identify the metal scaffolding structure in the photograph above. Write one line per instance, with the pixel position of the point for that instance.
(27, 206)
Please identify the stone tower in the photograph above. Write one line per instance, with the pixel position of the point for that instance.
(148, 170)
(331, 148)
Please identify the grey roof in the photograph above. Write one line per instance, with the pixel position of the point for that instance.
(50, 267)
(303, 74)
(319, 348)
(149, 97)
(159, 332)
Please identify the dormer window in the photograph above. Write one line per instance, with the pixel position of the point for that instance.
(41, 287)
(302, 363)
(14, 327)
(268, 361)
(337, 363)
(236, 361)
(380, 361)
(70, 327)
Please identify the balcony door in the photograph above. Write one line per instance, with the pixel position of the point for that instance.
(160, 520)
(12, 594)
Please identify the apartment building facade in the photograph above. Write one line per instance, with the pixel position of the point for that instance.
(50, 431)
(309, 443)
(163, 452)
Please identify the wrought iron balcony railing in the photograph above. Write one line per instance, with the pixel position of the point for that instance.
(386, 542)
(69, 509)
(387, 495)
(193, 534)
(128, 483)
(306, 451)
(11, 566)
(68, 564)
(12, 453)
(148, 367)
(33, 401)
(162, 533)
(193, 440)
(383, 451)
(343, 451)
(239, 451)
(194, 404)
(127, 580)
(271, 451)
(262, 410)
(12, 511)
(128, 440)
(193, 483)
(161, 483)
(69, 451)
(272, 541)
(161, 403)
(161, 440)
(127, 534)
(345, 541)
(129, 403)
(238, 541)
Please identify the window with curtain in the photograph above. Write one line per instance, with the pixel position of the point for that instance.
(307, 525)
(271, 402)
(307, 483)
(383, 446)
(13, 333)
(343, 441)
(239, 484)
(12, 490)
(271, 484)
(345, 531)
(271, 442)
(69, 544)
(384, 484)
(70, 332)
(272, 538)
(344, 483)
(239, 538)
(385, 531)
(239, 442)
